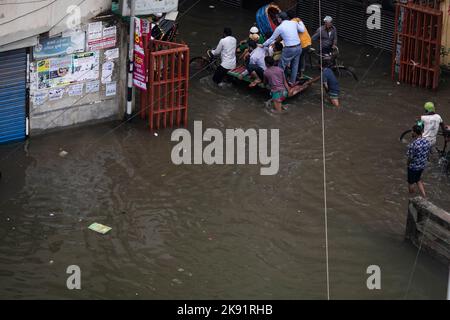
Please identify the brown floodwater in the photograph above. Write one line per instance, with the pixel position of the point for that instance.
(197, 231)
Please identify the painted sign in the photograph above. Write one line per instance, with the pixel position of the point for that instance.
(139, 69)
(57, 46)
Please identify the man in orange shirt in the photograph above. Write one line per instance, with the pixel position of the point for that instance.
(306, 42)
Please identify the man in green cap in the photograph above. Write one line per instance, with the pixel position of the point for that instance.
(432, 121)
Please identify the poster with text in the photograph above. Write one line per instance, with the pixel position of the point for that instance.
(110, 89)
(139, 70)
(92, 86)
(86, 66)
(100, 37)
(54, 72)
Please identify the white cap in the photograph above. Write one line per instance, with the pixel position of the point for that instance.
(328, 19)
(254, 30)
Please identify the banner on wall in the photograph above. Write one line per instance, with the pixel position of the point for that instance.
(54, 72)
(86, 66)
(61, 71)
(58, 46)
(139, 68)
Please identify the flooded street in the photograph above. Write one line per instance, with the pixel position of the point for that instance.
(225, 232)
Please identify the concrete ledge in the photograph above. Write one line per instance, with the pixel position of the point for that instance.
(73, 116)
(429, 226)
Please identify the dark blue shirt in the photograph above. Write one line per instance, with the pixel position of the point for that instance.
(418, 152)
(330, 79)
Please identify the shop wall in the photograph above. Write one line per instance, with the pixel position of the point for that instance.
(70, 89)
(31, 18)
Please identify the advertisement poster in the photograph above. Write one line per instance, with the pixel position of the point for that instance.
(109, 37)
(110, 89)
(57, 46)
(95, 30)
(139, 70)
(92, 86)
(40, 97)
(86, 66)
(55, 94)
(107, 71)
(112, 54)
(101, 38)
(76, 89)
(54, 72)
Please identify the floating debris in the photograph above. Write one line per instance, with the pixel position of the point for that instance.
(180, 269)
(52, 214)
(100, 228)
(177, 281)
(155, 134)
(63, 154)
(211, 7)
(51, 261)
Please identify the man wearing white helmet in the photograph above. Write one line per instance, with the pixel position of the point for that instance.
(327, 34)
(432, 121)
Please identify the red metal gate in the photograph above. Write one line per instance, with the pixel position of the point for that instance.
(419, 33)
(165, 102)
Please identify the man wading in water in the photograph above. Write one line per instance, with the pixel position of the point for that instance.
(418, 153)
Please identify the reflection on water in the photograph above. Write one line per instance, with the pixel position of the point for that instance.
(224, 231)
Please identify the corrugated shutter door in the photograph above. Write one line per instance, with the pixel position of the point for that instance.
(13, 66)
(350, 18)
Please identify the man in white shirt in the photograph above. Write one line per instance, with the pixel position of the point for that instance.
(432, 121)
(227, 51)
(255, 63)
(288, 31)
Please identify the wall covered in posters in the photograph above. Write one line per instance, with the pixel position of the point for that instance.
(78, 84)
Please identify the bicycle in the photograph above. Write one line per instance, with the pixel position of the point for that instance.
(202, 65)
(335, 64)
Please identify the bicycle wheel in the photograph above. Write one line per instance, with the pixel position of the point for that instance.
(201, 66)
(342, 71)
(404, 136)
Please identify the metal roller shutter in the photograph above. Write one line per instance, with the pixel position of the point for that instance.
(13, 66)
(350, 18)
